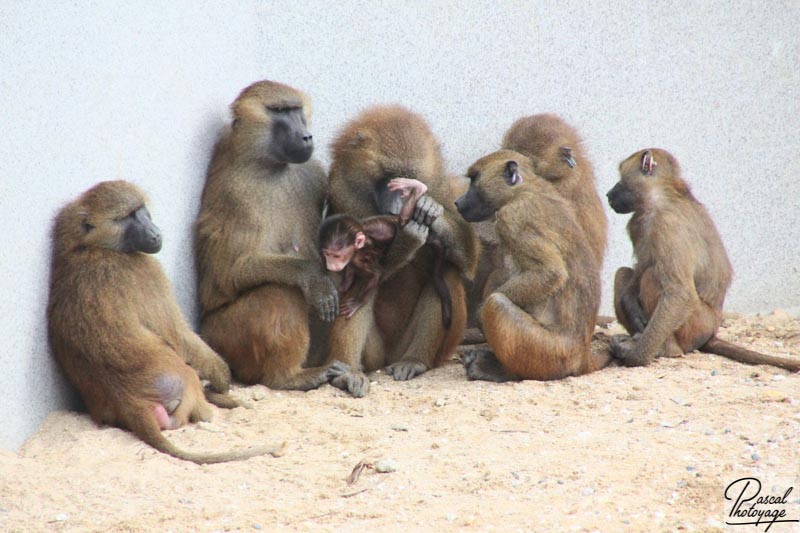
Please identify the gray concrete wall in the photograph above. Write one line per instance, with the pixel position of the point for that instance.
(109, 90)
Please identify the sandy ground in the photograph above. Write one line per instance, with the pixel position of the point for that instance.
(645, 449)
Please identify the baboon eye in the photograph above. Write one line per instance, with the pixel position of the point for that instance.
(86, 226)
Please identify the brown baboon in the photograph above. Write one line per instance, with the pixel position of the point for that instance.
(671, 300)
(255, 242)
(557, 153)
(357, 249)
(381, 144)
(116, 329)
(539, 316)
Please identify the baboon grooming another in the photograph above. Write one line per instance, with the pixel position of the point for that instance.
(116, 329)
(671, 300)
(255, 242)
(557, 153)
(381, 144)
(540, 315)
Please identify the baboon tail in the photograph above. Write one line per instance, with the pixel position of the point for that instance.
(743, 355)
(524, 347)
(145, 427)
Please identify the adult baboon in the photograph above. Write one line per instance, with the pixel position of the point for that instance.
(540, 313)
(116, 329)
(356, 249)
(671, 300)
(383, 143)
(255, 242)
(557, 153)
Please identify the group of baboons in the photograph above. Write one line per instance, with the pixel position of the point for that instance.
(396, 253)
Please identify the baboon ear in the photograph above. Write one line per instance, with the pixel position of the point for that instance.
(86, 226)
(361, 138)
(512, 174)
(648, 163)
(566, 155)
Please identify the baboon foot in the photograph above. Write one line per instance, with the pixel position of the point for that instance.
(405, 370)
(356, 383)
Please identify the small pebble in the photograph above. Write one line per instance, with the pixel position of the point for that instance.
(439, 403)
(778, 377)
(256, 526)
(691, 468)
(62, 517)
(400, 427)
(681, 484)
(588, 491)
(755, 457)
(258, 395)
(385, 466)
(714, 372)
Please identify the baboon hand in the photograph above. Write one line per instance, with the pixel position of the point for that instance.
(417, 231)
(349, 307)
(427, 210)
(320, 291)
(337, 369)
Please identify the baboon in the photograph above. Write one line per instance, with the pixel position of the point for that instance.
(557, 153)
(383, 143)
(539, 316)
(357, 250)
(255, 242)
(115, 328)
(671, 300)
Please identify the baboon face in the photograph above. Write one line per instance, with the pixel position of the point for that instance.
(114, 216)
(272, 119)
(387, 201)
(639, 175)
(493, 182)
(291, 141)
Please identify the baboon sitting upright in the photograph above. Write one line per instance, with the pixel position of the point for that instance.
(671, 300)
(255, 242)
(116, 329)
(381, 144)
(543, 299)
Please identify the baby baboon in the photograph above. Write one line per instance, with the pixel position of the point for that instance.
(381, 144)
(671, 300)
(540, 314)
(255, 242)
(116, 329)
(557, 153)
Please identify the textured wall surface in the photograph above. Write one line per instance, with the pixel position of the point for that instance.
(109, 91)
